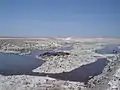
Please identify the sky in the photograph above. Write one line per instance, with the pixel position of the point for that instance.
(81, 18)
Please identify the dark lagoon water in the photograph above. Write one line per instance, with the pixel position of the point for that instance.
(83, 73)
(21, 64)
(109, 49)
(12, 63)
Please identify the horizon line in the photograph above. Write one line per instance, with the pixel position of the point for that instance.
(58, 37)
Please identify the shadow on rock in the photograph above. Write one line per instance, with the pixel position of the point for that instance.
(54, 54)
(57, 52)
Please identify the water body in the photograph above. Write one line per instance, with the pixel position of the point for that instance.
(83, 73)
(109, 49)
(22, 64)
(11, 63)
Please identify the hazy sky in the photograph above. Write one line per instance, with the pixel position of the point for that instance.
(89, 18)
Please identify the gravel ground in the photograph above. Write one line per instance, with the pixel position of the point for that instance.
(81, 54)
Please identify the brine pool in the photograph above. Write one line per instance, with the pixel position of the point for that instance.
(11, 64)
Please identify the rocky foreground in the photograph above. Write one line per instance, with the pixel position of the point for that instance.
(83, 54)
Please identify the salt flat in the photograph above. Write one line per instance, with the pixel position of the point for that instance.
(60, 72)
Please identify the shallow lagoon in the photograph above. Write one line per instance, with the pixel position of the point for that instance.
(14, 64)
(10, 62)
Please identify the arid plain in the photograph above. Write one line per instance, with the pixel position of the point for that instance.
(60, 63)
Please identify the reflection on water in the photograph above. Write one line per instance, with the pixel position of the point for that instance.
(12, 63)
(109, 49)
